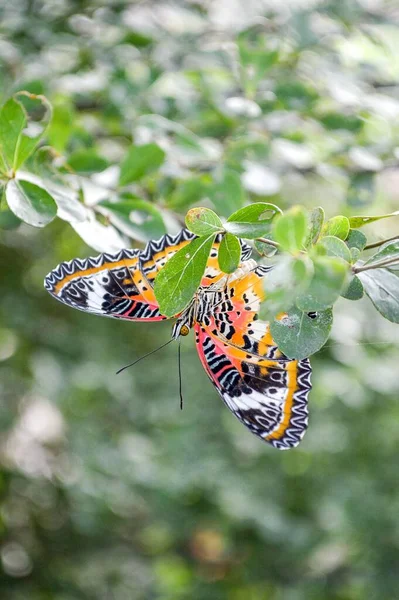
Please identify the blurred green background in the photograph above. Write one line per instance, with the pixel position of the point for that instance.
(108, 491)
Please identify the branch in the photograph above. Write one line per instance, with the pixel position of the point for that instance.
(270, 242)
(380, 243)
(378, 265)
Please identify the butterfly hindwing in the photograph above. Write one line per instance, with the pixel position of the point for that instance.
(265, 390)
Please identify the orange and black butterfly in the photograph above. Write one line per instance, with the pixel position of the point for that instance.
(263, 388)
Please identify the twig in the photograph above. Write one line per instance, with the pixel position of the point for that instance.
(378, 265)
(381, 242)
(270, 242)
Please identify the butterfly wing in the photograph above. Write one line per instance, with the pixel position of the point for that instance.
(118, 286)
(121, 285)
(265, 390)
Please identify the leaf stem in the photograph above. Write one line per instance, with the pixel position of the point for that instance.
(380, 243)
(270, 242)
(378, 265)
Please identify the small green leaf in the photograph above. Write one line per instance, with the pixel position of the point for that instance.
(382, 287)
(299, 335)
(329, 279)
(290, 229)
(336, 247)
(30, 203)
(178, 280)
(12, 122)
(203, 221)
(228, 194)
(289, 278)
(316, 220)
(139, 161)
(386, 252)
(87, 161)
(356, 222)
(355, 290)
(229, 253)
(252, 221)
(18, 135)
(356, 239)
(336, 226)
(135, 217)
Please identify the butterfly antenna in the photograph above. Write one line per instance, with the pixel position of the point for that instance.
(179, 367)
(145, 356)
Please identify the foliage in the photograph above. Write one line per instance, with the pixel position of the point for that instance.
(121, 122)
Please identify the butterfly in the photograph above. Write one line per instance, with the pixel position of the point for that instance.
(264, 389)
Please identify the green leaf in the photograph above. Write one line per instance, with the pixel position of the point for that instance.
(228, 194)
(252, 221)
(355, 290)
(179, 279)
(87, 161)
(18, 136)
(139, 161)
(386, 252)
(135, 217)
(299, 335)
(229, 253)
(12, 122)
(356, 239)
(356, 222)
(382, 287)
(30, 203)
(289, 278)
(203, 221)
(336, 247)
(290, 230)
(336, 226)
(316, 220)
(329, 279)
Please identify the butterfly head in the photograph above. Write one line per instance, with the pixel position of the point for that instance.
(180, 328)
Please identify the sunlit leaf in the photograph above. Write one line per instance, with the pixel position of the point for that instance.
(203, 221)
(30, 203)
(139, 161)
(382, 287)
(356, 222)
(337, 226)
(298, 334)
(178, 280)
(290, 229)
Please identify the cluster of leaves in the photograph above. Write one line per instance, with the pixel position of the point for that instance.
(316, 262)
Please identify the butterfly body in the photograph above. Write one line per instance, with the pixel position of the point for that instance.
(263, 388)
